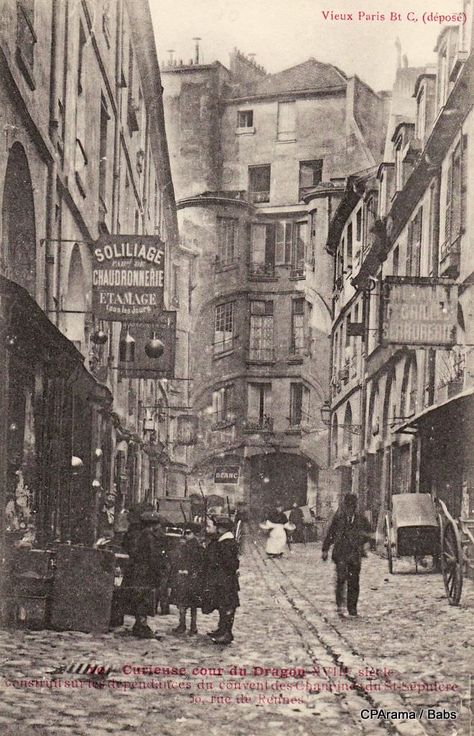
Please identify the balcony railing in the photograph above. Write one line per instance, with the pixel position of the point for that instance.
(298, 270)
(259, 197)
(223, 346)
(450, 253)
(259, 424)
(261, 270)
(266, 355)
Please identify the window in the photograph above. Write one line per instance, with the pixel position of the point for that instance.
(104, 117)
(245, 119)
(259, 406)
(413, 259)
(283, 241)
(395, 265)
(226, 234)
(259, 183)
(349, 246)
(297, 345)
(80, 158)
(310, 175)
(286, 123)
(456, 193)
(224, 328)
(299, 245)
(421, 115)
(398, 165)
(262, 250)
(175, 274)
(26, 38)
(133, 108)
(359, 225)
(223, 404)
(261, 330)
(299, 404)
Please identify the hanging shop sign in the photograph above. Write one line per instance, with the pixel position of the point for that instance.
(187, 430)
(128, 275)
(419, 312)
(138, 353)
(227, 474)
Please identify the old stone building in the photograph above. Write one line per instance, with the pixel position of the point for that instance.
(412, 394)
(84, 155)
(259, 163)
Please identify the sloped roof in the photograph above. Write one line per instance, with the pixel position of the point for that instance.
(309, 75)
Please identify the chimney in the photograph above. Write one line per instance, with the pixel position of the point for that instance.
(196, 39)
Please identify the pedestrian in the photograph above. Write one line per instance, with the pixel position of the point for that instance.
(277, 525)
(349, 532)
(297, 518)
(186, 577)
(143, 574)
(241, 520)
(221, 582)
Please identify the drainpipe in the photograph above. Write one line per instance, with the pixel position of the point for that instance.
(52, 253)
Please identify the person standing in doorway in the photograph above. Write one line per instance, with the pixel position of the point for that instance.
(348, 533)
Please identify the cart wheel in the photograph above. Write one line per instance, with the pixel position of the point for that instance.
(451, 563)
(388, 544)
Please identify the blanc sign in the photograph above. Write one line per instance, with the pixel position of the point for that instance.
(128, 275)
(419, 312)
(227, 474)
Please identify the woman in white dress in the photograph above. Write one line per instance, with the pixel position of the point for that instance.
(277, 525)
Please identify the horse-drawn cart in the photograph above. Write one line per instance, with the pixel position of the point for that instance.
(417, 528)
(457, 546)
(411, 529)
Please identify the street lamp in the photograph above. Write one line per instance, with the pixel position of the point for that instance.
(326, 413)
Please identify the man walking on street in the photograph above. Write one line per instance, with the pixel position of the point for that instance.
(349, 532)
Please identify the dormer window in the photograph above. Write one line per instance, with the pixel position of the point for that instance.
(398, 164)
(420, 115)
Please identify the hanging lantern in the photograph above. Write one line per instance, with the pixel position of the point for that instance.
(99, 337)
(154, 347)
(127, 348)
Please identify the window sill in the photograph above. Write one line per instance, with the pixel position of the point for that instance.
(285, 140)
(245, 131)
(260, 361)
(224, 354)
(295, 360)
(219, 267)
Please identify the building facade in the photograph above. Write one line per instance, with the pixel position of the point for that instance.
(84, 156)
(259, 163)
(413, 392)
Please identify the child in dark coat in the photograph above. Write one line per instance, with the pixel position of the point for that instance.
(186, 578)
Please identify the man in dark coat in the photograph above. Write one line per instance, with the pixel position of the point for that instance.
(297, 518)
(186, 577)
(221, 579)
(143, 544)
(349, 532)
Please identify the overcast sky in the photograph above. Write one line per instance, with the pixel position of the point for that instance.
(282, 33)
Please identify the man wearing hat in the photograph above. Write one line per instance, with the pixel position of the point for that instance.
(142, 576)
(222, 582)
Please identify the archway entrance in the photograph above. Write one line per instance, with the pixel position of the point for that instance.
(18, 247)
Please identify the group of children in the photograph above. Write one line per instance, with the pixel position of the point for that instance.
(197, 574)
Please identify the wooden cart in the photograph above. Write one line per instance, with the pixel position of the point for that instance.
(457, 557)
(411, 529)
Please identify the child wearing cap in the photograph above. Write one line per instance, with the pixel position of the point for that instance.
(186, 578)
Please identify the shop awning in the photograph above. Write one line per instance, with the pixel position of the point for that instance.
(431, 412)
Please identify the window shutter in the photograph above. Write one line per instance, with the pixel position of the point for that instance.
(449, 195)
(280, 242)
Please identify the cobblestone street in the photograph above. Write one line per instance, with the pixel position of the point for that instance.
(286, 621)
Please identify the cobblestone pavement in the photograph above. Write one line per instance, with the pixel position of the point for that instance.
(286, 621)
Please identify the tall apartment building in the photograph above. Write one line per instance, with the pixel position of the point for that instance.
(259, 163)
(83, 154)
(411, 393)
